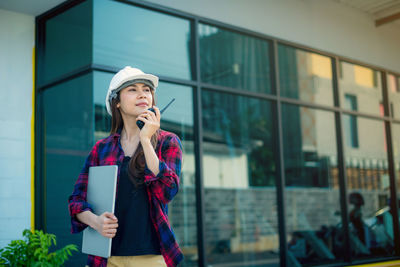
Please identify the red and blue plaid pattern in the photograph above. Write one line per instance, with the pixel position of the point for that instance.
(161, 189)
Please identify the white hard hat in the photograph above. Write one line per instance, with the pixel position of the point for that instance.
(126, 77)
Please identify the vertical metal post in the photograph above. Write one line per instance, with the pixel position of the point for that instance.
(198, 149)
(394, 206)
(341, 161)
(280, 181)
(38, 178)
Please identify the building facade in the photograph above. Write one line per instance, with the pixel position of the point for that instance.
(288, 112)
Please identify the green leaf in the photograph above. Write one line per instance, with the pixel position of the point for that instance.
(34, 251)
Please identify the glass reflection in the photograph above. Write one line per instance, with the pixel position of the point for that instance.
(68, 40)
(350, 121)
(364, 84)
(305, 76)
(178, 118)
(234, 60)
(68, 138)
(124, 34)
(371, 232)
(393, 84)
(313, 216)
(239, 181)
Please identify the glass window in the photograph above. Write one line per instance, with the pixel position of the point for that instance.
(350, 102)
(312, 196)
(362, 83)
(239, 181)
(234, 60)
(393, 83)
(305, 76)
(67, 138)
(350, 127)
(124, 35)
(371, 232)
(68, 43)
(101, 82)
(350, 121)
(178, 118)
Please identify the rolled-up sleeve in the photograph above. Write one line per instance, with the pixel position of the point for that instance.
(165, 185)
(77, 201)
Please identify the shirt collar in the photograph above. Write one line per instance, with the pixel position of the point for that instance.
(118, 133)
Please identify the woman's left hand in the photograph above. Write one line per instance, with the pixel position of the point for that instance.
(151, 123)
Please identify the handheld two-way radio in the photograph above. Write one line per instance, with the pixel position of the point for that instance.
(140, 123)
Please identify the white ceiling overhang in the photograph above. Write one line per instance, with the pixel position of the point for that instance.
(30, 7)
(381, 11)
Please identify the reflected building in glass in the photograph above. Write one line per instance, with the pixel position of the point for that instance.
(291, 155)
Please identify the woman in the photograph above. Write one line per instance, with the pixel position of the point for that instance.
(149, 165)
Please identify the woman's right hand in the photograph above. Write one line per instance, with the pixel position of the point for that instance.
(106, 224)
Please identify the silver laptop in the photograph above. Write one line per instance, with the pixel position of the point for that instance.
(101, 191)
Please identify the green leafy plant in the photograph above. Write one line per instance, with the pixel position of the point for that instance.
(33, 251)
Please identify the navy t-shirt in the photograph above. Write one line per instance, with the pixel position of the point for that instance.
(135, 233)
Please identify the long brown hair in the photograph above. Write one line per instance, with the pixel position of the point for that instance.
(137, 162)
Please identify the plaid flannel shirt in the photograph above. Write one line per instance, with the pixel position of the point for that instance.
(161, 189)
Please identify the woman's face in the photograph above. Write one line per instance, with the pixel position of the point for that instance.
(135, 99)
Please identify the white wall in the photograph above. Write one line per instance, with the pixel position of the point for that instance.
(16, 85)
(324, 25)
